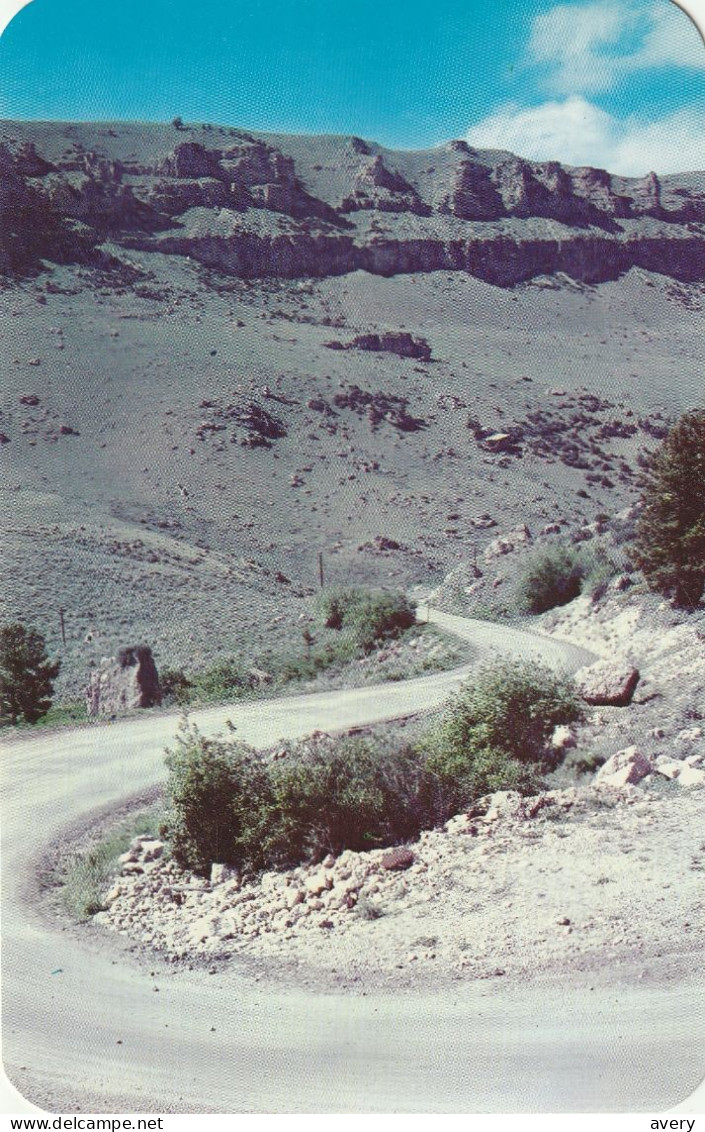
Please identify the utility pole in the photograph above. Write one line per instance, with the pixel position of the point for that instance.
(320, 568)
(63, 626)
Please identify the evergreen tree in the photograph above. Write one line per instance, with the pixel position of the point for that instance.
(26, 674)
(670, 540)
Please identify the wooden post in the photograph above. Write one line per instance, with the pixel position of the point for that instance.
(320, 568)
(63, 626)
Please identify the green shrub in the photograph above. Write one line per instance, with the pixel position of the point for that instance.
(176, 686)
(495, 732)
(218, 790)
(554, 577)
(333, 604)
(366, 616)
(224, 680)
(330, 794)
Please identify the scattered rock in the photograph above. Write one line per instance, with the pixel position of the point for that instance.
(507, 544)
(669, 768)
(222, 873)
(401, 343)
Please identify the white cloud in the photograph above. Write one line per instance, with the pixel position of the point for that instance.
(586, 48)
(576, 132)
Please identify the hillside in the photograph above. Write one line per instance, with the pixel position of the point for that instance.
(226, 353)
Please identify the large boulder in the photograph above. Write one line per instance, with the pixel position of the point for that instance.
(607, 683)
(625, 767)
(129, 680)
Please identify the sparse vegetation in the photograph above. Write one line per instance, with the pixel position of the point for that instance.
(355, 627)
(26, 675)
(670, 541)
(327, 794)
(88, 872)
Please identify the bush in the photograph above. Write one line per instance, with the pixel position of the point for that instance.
(218, 791)
(330, 794)
(554, 577)
(223, 680)
(366, 616)
(670, 541)
(495, 733)
(176, 686)
(26, 674)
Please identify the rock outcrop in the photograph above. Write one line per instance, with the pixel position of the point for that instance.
(123, 683)
(253, 208)
(607, 683)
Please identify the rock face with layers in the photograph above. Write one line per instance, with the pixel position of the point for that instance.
(125, 682)
(287, 207)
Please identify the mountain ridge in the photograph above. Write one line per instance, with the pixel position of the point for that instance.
(257, 205)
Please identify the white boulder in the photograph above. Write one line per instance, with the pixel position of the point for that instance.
(625, 767)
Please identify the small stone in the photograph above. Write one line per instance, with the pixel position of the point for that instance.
(318, 883)
(400, 857)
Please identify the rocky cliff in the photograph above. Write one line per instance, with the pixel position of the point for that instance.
(255, 206)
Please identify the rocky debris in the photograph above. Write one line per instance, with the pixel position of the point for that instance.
(382, 545)
(689, 735)
(30, 399)
(691, 776)
(626, 767)
(563, 738)
(379, 408)
(497, 888)
(517, 538)
(686, 772)
(4, 438)
(669, 768)
(401, 343)
(261, 427)
(607, 683)
(507, 443)
(124, 683)
(320, 405)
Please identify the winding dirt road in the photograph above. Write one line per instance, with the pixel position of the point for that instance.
(84, 1027)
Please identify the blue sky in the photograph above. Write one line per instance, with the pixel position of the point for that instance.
(618, 83)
